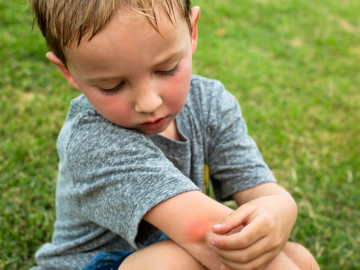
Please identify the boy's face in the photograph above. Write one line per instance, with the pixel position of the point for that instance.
(132, 75)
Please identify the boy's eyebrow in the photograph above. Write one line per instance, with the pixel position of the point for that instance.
(166, 60)
(170, 57)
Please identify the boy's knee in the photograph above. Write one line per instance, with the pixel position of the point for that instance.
(301, 256)
(161, 256)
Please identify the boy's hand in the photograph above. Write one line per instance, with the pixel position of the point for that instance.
(255, 233)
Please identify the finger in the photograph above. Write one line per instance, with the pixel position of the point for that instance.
(234, 220)
(271, 260)
(248, 236)
(257, 263)
(244, 255)
(263, 247)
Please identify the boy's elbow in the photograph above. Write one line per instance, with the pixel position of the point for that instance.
(196, 231)
(196, 242)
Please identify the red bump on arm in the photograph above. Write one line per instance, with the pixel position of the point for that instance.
(197, 231)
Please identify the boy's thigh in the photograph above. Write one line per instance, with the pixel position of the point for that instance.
(161, 256)
(300, 256)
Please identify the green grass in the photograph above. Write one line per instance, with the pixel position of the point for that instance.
(293, 65)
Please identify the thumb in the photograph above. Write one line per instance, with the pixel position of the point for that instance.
(234, 222)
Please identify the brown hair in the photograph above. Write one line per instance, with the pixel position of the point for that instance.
(63, 22)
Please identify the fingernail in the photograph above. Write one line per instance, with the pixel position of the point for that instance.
(217, 226)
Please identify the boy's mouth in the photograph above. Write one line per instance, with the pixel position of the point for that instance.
(157, 124)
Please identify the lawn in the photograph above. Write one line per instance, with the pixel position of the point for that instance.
(294, 67)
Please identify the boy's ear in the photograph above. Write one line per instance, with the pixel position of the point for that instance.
(56, 61)
(195, 14)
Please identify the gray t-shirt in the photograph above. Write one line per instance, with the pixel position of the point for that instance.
(109, 176)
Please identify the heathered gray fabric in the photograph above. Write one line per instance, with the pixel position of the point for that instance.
(109, 177)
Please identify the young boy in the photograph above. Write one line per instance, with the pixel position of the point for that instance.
(133, 148)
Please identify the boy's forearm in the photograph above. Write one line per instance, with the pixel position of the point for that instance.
(261, 190)
(187, 219)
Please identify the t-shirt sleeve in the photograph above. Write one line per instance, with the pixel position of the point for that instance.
(118, 175)
(234, 159)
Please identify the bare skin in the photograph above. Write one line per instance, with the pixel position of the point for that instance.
(161, 256)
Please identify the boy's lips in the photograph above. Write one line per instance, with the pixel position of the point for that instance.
(154, 125)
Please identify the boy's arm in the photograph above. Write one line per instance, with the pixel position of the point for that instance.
(266, 189)
(187, 219)
(267, 213)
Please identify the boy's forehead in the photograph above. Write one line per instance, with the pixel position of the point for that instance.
(127, 17)
(129, 27)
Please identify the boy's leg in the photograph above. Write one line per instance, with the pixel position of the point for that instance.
(168, 255)
(293, 256)
(282, 262)
(163, 255)
(300, 256)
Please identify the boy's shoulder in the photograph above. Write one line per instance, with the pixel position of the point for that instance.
(201, 81)
(203, 89)
(80, 105)
(208, 93)
(85, 128)
(80, 110)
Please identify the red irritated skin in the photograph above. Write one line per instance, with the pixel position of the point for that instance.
(197, 231)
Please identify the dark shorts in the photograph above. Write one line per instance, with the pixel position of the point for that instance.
(111, 260)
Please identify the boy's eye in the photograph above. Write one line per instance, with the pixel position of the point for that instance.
(111, 91)
(170, 72)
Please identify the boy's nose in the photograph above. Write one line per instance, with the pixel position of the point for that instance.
(148, 101)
